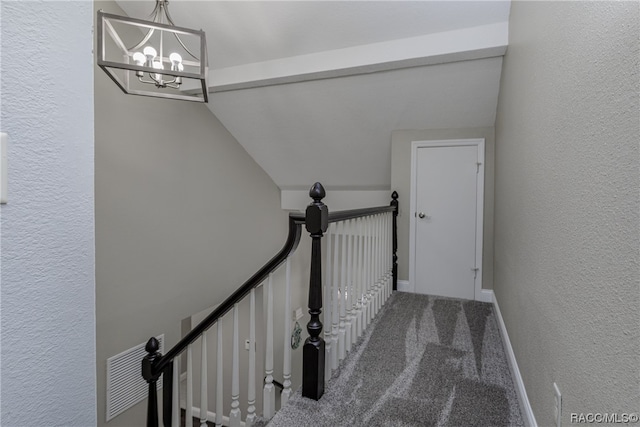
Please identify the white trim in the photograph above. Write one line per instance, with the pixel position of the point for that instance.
(525, 407)
(479, 142)
(404, 286)
(486, 295)
(484, 41)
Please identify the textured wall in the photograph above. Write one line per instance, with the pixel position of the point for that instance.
(401, 182)
(183, 216)
(48, 308)
(566, 228)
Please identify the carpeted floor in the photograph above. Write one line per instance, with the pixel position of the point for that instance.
(425, 361)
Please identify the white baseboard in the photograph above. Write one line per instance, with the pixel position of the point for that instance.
(403, 286)
(525, 406)
(486, 295)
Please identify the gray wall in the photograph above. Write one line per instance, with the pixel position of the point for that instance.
(567, 238)
(47, 228)
(183, 216)
(401, 182)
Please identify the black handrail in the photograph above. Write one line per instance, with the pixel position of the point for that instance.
(315, 219)
(357, 213)
(295, 232)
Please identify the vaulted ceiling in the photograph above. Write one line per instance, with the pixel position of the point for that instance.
(313, 89)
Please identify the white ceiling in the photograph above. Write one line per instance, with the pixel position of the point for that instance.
(349, 86)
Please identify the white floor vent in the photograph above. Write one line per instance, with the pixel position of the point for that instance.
(125, 385)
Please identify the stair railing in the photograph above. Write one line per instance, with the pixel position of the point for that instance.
(361, 272)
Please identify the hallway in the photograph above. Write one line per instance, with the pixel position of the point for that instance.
(425, 361)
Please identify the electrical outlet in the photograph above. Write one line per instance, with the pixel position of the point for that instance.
(557, 411)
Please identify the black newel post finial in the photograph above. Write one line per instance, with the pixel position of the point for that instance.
(150, 377)
(316, 222)
(394, 203)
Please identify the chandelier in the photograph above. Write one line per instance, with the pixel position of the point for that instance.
(161, 59)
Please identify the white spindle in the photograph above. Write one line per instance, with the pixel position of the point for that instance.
(327, 308)
(219, 377)
(367, 276)
(343, 291)
(334, 300)
(189, 408)
(251, 386)
(375, 245)
(389, 256)
(360, 292)
(203, 381)
(372, 268)
(269, 397)
(371, 281)
(235, 414)
(286, 363)
(379, 284)
(349, 288)
(175, 397)
(383, 248)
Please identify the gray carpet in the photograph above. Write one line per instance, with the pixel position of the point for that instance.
(424, 361)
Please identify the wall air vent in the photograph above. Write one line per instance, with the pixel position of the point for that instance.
(125, 385)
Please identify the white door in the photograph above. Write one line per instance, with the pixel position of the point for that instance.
(445, 219)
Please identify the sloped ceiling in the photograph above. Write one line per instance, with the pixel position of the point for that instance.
(313, 89)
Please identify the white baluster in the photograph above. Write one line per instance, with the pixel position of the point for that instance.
(343, 291)
(335, 299)
(219, 377)
(251, 386)
(348, 288)
(286, 363)
(372, 268)
(383, 277)
(360, 291)
(367, 282)
(389, 256)
(371, 281)
(203, 381)
(379, 269)
(269, 397)
(235, 415)
(327, 308)
(189, 408)
(175, 397)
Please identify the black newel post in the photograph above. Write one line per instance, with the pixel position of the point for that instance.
(317, 221)
(147, 373)
(394, 203)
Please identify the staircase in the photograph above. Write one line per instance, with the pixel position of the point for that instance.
(424, 361)
(360, 273)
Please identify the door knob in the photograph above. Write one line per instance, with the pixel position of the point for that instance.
(422, 215)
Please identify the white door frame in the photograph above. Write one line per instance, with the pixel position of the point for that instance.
(480, 295)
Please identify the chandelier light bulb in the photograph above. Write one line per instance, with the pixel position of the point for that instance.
(149, 51)
(139, 58)
(175, 58)
(180, 67)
